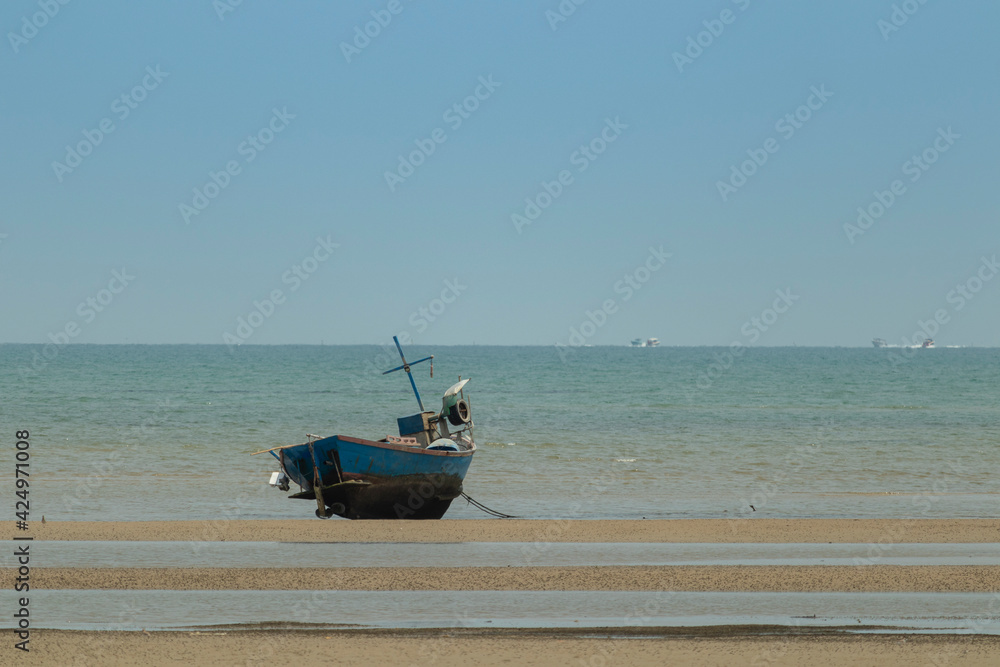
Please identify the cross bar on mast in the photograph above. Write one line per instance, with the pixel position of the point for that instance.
(406, 367)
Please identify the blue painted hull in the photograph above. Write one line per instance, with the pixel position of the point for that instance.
(364, 479)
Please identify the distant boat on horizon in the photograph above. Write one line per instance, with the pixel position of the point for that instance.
(649, 342)
(927, 344)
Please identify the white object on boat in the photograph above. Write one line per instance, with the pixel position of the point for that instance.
(454, 389)
(450, 398)
(280, 480)
(445, 444)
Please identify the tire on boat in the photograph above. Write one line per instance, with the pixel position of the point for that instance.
(459, 413)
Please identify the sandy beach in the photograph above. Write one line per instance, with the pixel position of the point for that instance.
(758, 645)
(876, 531)
(461, 649)
(782, 578)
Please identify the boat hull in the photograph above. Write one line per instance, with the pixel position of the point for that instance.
(364, 479)
(406, 497)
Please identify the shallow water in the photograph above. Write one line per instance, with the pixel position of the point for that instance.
(166, 432)
(494, 554)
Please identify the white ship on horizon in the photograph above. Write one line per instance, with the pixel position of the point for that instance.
(649, 342)
(926, 345)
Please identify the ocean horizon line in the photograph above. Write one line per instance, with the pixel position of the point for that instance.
(519, 345)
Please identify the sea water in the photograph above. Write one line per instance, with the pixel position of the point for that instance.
(115, 553)
(159, 432)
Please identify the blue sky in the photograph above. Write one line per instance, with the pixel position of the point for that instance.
(202, 85)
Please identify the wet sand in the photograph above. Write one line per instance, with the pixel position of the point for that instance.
(255, 645)
(879, 531)
(719, 646)
(727, 578)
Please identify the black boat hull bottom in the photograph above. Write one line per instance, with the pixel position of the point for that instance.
(404, 497)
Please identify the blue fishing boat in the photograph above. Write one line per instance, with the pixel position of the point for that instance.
(414, 475)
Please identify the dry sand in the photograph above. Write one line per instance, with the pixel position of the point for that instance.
(882, 531)
(463, 649)
(756, 578)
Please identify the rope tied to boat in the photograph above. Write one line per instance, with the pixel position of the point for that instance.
(480, 506)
